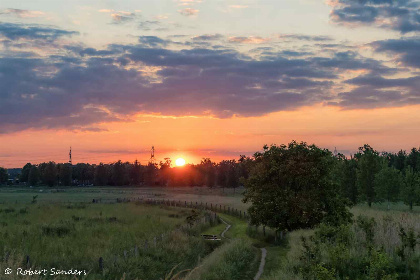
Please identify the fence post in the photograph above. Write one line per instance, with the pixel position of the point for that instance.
(101, 264)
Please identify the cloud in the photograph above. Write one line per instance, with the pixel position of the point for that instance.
(249, 40)
(399, 15)
(150, 25)
(79, 87)
(14, 31)
(405, 50)
(368, 97)
(188, 2)
(305, 37)
(119, 17)
(207, 37)
(122, 17)
(22, 13)
(153, 41)
(188, 12)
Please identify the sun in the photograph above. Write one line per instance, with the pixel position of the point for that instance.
(180, 162)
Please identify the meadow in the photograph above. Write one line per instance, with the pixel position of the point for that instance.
(64, 229)
(132, 239)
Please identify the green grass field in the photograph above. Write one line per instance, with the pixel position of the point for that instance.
(64, 229)
(74, 236)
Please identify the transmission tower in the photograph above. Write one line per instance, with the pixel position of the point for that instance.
(335, 152)
(70, 157)
(152, 155)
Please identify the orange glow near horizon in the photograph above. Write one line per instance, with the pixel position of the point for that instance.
(385, 129)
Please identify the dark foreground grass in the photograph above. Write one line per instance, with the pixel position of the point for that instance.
(75, 236)
(235, 260)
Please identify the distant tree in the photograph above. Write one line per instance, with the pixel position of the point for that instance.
(291, 187)
(410, 190)
(65, 174)
(209, 170)
(387, 184)
(244, 167)
(150, 174)
(4, 176)
(232, 175)
(118, 173)
(101, 175)
(222, 171)
(368, 164)
(135, 173)
(349, 187)
(400, 160)
(344, 175)
(50, 174)
(33, 177)
(83, 173)
(25, 172)
(413, 159)
(165, 171)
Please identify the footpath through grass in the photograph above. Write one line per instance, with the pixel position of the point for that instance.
(239, 231)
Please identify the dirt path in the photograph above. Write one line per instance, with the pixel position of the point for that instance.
(262, 264)
(226, 229)
(263, 252)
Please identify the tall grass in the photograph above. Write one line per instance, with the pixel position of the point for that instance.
(235, 260)
(378, 245)
(67, 236)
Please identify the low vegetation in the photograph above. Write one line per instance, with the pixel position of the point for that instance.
(230, 261)
(135, 240)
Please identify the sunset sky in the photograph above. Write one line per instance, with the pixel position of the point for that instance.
(209, 78)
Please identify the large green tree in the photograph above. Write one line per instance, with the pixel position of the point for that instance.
(410, 189)
(387, 184)
(291, 187)
(368, 164)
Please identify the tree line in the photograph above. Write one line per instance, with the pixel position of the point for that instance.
(367, 176)
(370, 176)
(297, 186)
(225, 174)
